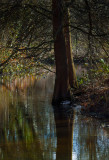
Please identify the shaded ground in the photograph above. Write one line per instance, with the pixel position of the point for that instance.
(95, 98)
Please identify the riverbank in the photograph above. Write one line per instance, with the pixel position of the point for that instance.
(93, 91)
(94, 98)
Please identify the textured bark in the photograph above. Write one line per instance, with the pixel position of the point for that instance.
(65, 72)
(61, 89)
(68, 43)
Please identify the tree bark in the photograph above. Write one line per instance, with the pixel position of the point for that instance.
(61, 89)
(71, 67)
(65, 75)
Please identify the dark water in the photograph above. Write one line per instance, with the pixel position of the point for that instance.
(31, 129)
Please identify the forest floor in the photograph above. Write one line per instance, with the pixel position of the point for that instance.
(94, 97)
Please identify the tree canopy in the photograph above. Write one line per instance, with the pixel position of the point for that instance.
(29, 24)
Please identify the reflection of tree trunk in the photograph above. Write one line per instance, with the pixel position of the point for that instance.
(91, 142)
(64, 131)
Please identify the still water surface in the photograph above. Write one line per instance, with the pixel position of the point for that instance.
(31, 129)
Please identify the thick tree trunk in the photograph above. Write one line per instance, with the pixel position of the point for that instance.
(61, 89)
(65, 70)
(71, 67)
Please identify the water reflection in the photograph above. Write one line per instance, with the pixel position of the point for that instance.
(64, 133)
(31, 129)
(89, 140)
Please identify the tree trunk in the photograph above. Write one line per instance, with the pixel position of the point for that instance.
(65, 76)
(71, 67)
(61, 89)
